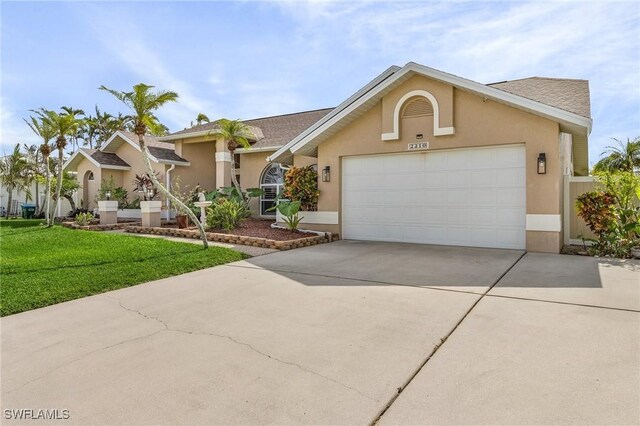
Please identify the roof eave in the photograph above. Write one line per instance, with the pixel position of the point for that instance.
(347, 108)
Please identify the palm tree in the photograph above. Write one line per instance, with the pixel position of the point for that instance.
(625, 156)
(65, 124)
(15, 173)
(236, 134)
(43, 129)
(201, 118)
(77, 134)
(143, 102)
(32, 154)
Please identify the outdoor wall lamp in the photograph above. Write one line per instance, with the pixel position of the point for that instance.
(150, 194)
(326, 174)
(108, 195)
(542, 163)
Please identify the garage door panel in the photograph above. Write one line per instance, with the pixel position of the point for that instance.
(472, 197)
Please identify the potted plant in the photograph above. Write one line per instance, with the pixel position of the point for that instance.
(185, 197)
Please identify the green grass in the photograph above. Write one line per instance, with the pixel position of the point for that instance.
(42, 266)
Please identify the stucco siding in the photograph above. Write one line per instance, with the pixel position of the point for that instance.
(202, 170)
(478, 122)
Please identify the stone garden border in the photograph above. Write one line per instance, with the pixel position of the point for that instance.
(232, 239)
(98, 227)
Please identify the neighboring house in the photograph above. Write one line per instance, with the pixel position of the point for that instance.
(422, 156)
(417, 155)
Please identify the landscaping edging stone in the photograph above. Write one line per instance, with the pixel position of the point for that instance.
(232, 239)
(97, 227)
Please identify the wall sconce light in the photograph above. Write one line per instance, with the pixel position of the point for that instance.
(108, 195)
(150, 193)
(326, 174)
(542, 163)
(419, 136)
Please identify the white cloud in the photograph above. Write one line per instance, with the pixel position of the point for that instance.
(12, 129)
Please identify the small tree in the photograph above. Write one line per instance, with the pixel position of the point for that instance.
(143, 102)
(65, 124)
(46, 132)
(15, 174)
(236, 134)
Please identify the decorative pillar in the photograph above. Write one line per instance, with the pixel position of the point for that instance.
(151, 213)
(223, 165)
(108, 212)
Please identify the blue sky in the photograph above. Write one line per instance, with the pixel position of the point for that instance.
(252, 59)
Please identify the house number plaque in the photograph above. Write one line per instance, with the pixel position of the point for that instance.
(418, 146)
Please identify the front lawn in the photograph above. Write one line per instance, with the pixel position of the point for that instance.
(41, 267)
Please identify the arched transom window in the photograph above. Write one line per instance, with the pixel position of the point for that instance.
(271, 183)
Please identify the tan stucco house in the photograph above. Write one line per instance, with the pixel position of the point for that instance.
(416, 155)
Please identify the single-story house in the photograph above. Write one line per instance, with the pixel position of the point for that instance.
(416, 155)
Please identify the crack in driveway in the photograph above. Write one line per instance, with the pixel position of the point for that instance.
(167, 328)
(238, 342)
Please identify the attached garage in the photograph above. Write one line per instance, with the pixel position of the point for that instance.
(422, 156)
(464, 197)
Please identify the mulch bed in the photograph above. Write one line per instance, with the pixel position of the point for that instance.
(260, 228)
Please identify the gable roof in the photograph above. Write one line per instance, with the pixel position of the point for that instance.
(104, 160)
(271, 132)
(161, 152)
(567, 94)
(307, 142)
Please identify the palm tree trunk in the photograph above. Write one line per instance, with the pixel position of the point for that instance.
(59, 183)
(9, 200)
(47, 190)
(166, 193)
(234, 178)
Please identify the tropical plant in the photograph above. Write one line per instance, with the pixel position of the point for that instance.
(33, 156)
(227, 214)
(301, 184)
(15, 174)
(83, 219)
(143, 103)
(236, 134)
(76, 133)
(110, 190)
(201, 118)
(144, 184)
(46, 132)
(612, 213)
(289, 210)
(69, 186)
(625, 156)
(65, 124)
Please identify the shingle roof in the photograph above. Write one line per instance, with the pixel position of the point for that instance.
(149, 140)
(106, 158)
(272, 131)
(165, 154)
(567, 94)
(160, 150)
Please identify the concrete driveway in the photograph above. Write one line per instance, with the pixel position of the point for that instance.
(342, 333)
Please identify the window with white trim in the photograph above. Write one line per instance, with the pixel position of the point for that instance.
(271, 183)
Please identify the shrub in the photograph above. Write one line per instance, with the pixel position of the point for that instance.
(83, 219)
(612, 213)
(117, 193)
(301, 184)
(290, 209)
(75, 212)
(227, 214)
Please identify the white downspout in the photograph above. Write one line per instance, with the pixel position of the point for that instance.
(167, 178)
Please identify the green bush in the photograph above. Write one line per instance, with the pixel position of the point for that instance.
(83, 219)
(227, 214)
(290, 209)
(612, 213)
(301, 184)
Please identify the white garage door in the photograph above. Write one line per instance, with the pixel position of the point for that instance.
(463, 197)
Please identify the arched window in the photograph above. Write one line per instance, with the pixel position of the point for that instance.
(271, 183)
(90, 175)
